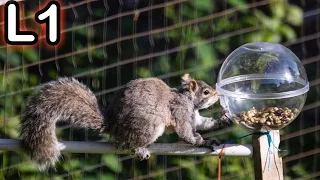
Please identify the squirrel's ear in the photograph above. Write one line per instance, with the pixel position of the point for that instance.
(189, 83)
(193, 86)
(186, 79)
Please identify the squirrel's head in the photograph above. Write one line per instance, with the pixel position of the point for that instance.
(204, 95)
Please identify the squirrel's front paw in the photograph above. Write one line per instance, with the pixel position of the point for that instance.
(142, 153)
(210, 143)
(225, 119)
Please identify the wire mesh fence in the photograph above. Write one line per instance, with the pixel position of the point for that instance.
(105, 44)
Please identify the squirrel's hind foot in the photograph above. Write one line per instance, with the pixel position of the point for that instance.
(142, 153)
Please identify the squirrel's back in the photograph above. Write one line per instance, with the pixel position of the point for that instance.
(140, 110)
(63, 100)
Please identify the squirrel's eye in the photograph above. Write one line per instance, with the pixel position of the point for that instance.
(206, 92)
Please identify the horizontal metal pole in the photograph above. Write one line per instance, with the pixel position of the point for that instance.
(157, 148)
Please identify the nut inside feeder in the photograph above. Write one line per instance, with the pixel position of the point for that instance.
(263, 86)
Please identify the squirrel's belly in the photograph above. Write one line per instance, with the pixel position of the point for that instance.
(170, 124)
(169, 130)
(158, 132)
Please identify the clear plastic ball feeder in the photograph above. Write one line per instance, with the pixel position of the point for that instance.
(263, 86)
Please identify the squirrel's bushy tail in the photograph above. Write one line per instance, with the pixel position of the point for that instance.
(63, 100)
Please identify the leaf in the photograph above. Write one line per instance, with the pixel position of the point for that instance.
(250, 20)
(187, 12)
(81, 31)
(98, 53)
(112, 162)
(57, 178)
(254, 37)
(266, 21)
(287, 31)
(222, 46)
(240, 4)
(28, 167)
(31, 55)
(164, 64)
(108, 176)
(170, 12)
(71, 165)
(299, 170)
(206, 56)
(272, 37)
(277, 9)
(294, 15)
(144, 72)
(13, 59)
(204, 5)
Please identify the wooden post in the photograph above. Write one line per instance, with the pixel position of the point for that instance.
(260, 157)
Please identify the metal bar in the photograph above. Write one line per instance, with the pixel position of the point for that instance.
(157, 149)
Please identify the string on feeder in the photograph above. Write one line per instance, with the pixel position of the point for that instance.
(267, 133)
(269, 145)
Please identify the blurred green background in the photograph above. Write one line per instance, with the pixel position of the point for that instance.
(108, 43)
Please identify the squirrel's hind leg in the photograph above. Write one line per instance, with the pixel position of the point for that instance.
(144, 141)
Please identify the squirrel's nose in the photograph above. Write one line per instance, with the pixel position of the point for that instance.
(216, 94)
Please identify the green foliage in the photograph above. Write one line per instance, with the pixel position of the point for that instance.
(275, 28)
(299, 170)
(112, 162)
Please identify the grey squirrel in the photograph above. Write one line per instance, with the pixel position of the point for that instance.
(138, 115)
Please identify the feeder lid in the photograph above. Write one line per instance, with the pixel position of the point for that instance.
(262, 61)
